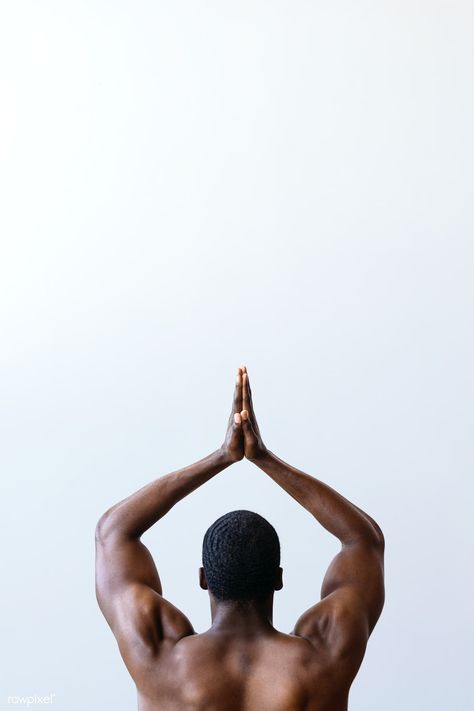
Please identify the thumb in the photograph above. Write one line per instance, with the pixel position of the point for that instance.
(245, 421)
(237, 418)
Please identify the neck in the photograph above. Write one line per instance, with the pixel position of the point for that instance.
(242, 617)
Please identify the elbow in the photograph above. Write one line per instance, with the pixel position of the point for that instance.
(370, 535)
(104, 527)
(378, 537)
(112, 526)
(100, 529)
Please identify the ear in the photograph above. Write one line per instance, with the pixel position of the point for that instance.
(279, 579)
(202, 579)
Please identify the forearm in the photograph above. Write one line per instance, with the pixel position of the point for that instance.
(333, 511)
(134, 515)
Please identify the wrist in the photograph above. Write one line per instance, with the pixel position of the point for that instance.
(264, 455)
(223, 457)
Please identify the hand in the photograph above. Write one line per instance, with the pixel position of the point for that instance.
(233, 447)
(253, 443)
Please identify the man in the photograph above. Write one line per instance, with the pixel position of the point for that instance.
(242, 662)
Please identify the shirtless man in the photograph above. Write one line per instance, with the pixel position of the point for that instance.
(241, 663)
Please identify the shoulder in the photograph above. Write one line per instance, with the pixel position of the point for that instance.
(145, 622)
(338, 630)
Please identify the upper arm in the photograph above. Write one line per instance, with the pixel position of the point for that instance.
(129, 594)
(352, 598)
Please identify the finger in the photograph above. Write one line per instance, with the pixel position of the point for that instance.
(244, 370)
(237, 401)
(237, 418)
(247, 426)
(247, 403)
(245, 391)
(245, 419)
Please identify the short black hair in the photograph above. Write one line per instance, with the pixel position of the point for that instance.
(241, 556)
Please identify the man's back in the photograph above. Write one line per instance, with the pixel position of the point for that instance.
(221, 672)
(241, 663)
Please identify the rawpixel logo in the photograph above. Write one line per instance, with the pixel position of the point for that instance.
(30, 700)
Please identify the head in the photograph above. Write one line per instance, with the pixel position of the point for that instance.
(241, 558)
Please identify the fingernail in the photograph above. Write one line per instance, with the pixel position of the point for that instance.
(244, 414)
(237, 418)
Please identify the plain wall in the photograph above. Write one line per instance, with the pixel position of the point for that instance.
(187, 187)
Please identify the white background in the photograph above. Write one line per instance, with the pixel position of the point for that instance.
(187, 187)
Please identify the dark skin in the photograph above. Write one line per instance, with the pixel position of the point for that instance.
(241, 663)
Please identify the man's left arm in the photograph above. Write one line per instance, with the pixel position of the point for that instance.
(128, 586)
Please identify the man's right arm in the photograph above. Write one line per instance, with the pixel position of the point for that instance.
(352, 593)
(333, 511)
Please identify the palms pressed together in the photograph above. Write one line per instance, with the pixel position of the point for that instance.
(243, 438)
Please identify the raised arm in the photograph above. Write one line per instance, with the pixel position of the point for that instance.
(353, 589)
(128, 586)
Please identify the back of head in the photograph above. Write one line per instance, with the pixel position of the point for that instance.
(241, 556)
